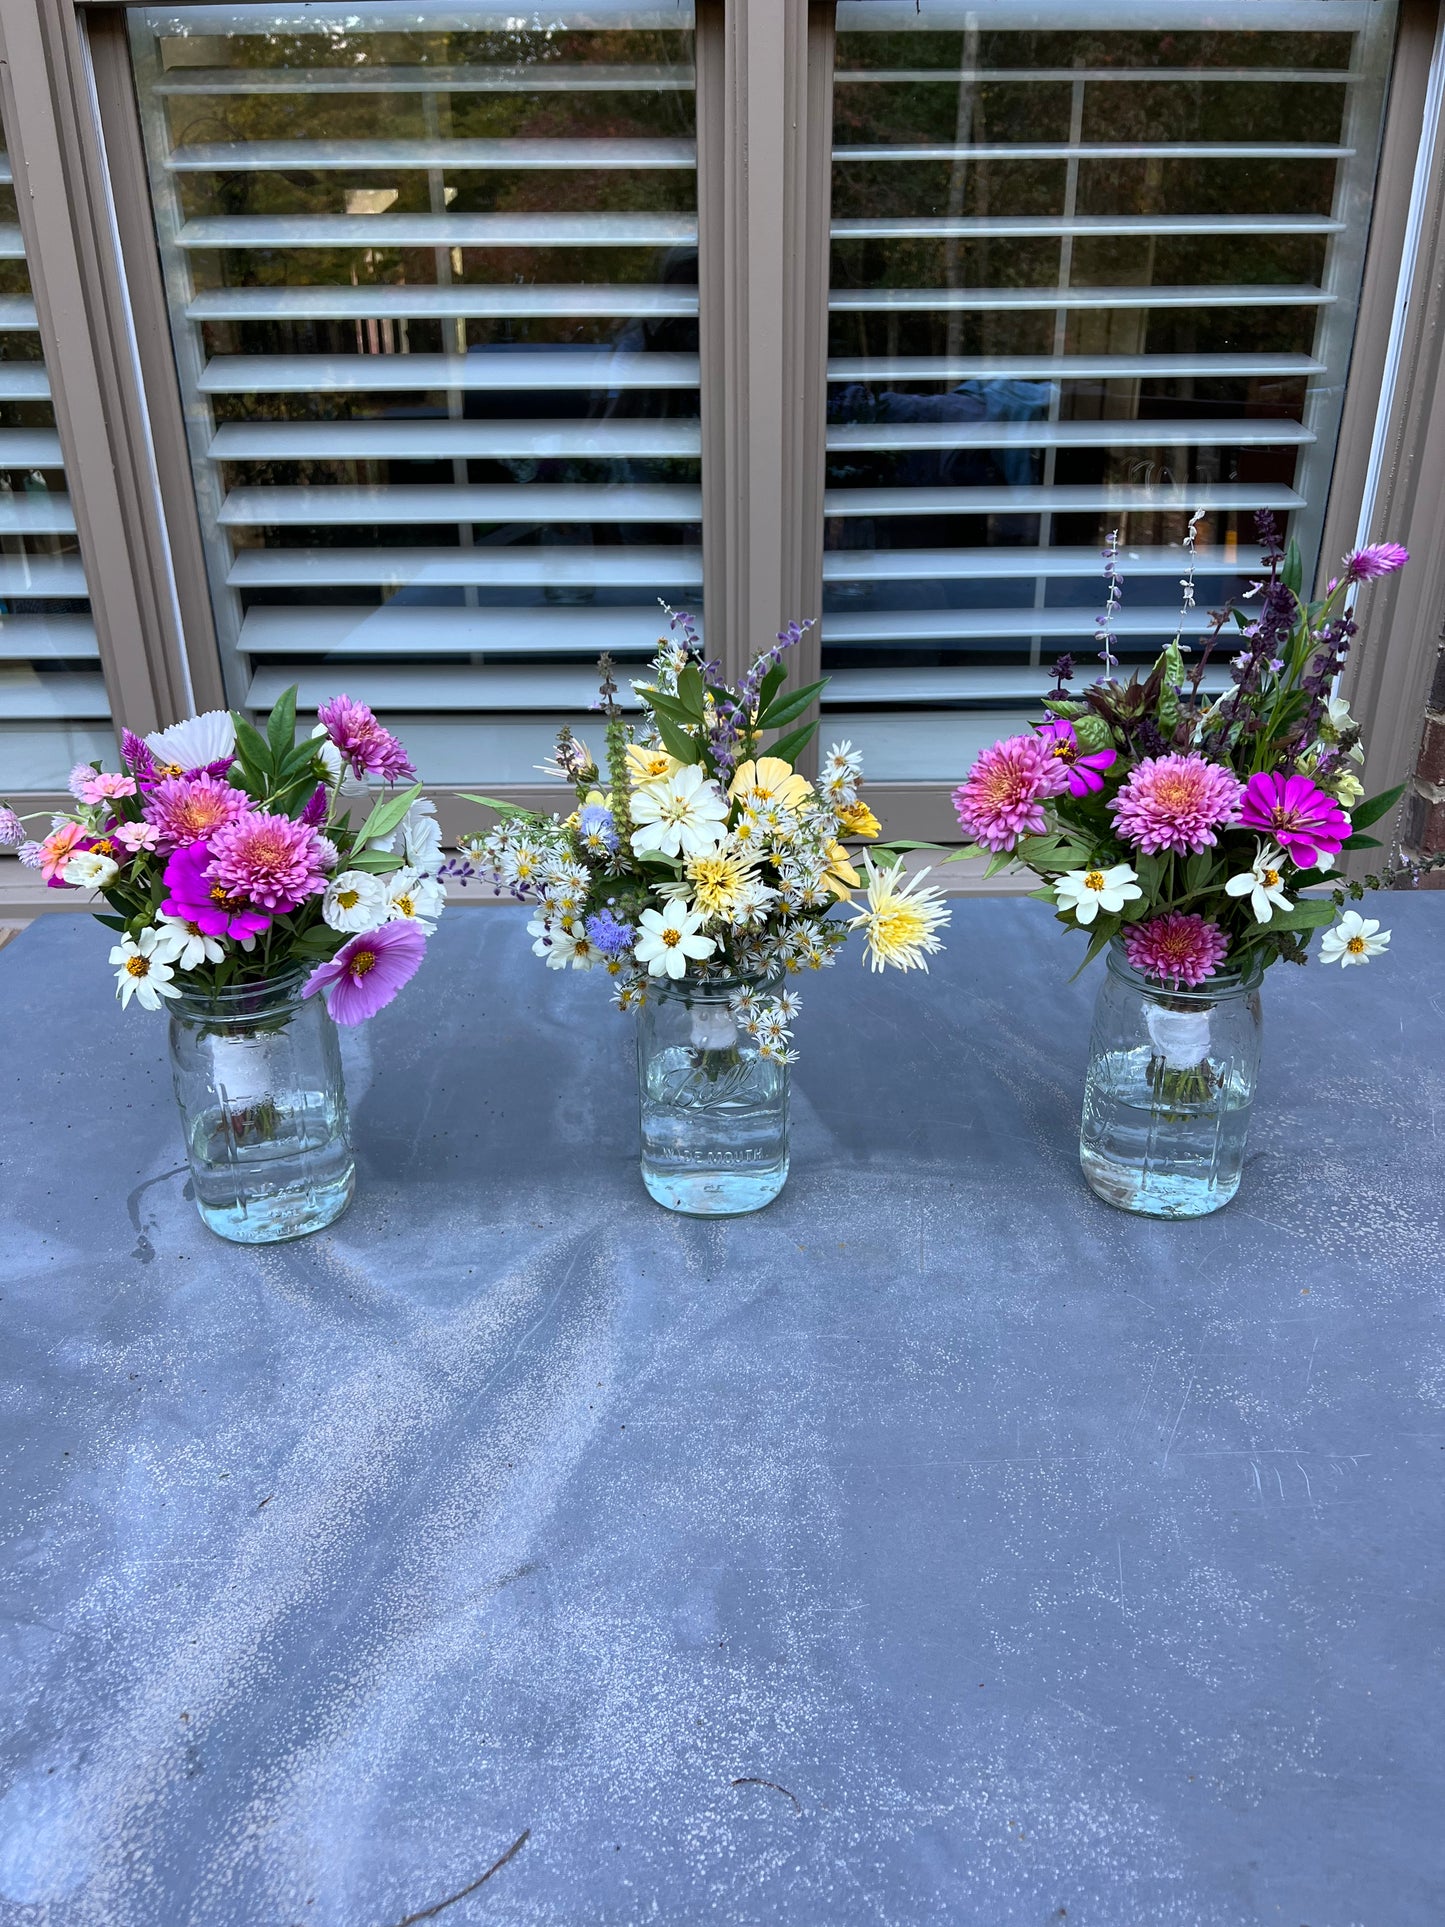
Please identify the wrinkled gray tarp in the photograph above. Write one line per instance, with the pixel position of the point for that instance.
(938, 1546)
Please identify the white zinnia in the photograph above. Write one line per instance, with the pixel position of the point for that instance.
(90, 871)
(1353, 940)
(199, 740)
(420, 837)
(142, 971)
(354, 901)
(682, 815)
(665, 941)
(414, 897)
(1263, 883)
(185, 945)
(1087, 892)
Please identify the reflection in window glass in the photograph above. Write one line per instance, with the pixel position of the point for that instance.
(1090, 272)
(53, 707)
(434, 298)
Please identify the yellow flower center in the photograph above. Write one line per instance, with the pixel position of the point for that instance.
(672, 938)
(406, 905)
(138, 966)
(362, 962)
(1271, 879)
(1356, 946)
(1095, 881)
(348, 899)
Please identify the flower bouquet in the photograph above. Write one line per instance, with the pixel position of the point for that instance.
(1177, 830)
(698, 871)
(247, 903)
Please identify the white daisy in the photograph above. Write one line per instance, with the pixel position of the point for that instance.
(665, 942)
(354, 901)
(682, 815)
(186, 945)
(142, 971)
(1087, 892)
(1353, 940)
(1262, 883)
(414, 897)
(199, 740)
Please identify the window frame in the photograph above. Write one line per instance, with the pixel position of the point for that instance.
(764, 103)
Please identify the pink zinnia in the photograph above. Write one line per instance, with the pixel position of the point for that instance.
(1085, 770)
(56, 850)
(370, 749)
(273, 862)
(190, 809)
(1380, 558)
(366, 973)
(1303, 819)
(1179, 949)
(100, 786)
(1001, 797)
(1175, 803)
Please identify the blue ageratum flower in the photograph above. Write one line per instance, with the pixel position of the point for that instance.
(596, 830)
(608, 934)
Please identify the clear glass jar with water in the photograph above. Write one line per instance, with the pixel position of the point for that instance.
(714, 1110)
(259, 1083)
(1169, 1090)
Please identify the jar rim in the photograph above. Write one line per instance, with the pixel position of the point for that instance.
(714, 990)
(1213, 990)
(249, 999)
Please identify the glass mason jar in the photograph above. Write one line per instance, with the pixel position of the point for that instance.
(1169, 1090)
(714, 1110)
(258, 1080)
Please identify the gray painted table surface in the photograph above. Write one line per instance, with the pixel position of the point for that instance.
(937, 1546)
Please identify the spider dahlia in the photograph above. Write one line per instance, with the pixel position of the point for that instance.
(1002, 796)
(1175, 803)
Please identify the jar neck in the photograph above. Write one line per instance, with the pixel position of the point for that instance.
(241, 1005)
(1218, 989)
(717, 991)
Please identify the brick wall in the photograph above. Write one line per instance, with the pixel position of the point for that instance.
(1422, 819)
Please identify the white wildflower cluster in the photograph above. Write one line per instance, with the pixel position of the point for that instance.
(768, 1022)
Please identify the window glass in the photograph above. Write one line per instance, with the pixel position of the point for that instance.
(1092, 269)
(433, 285)
(53, 707)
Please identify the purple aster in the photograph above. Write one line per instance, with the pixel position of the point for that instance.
(273, 862)
(370, 749)
(1380, 558)
(608, 935)
(1176, 803)
(1179, 949)
(199, 899)
(1084, 770)
(366, 973)
(1298, 815)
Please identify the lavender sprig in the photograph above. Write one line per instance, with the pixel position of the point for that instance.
(1105, 631)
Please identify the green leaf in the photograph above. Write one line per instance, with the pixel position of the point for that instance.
(966, 854)
(378, 862)
(676, 741)
(387, 814)
(1374, 807)
(1310, 913)
(690, 691)
(1292, 569)
(788, 708)
(1106, 928)
(788, 747)
(1000, 860)
(252, 749)
(661, 704)
(771, 684)
(281, 727)
(1362, 843)
(112, 923)
(1196, 872)
(502, 809)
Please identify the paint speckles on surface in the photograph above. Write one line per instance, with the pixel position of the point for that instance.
(937, 1546)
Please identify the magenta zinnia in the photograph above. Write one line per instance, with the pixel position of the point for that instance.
(190, 809)
(1179, 949)
(365, 974)
(1084, 769)
(1304, 821)
(273, 862)
(1000, 799)
(1175, 803)
(370, 749)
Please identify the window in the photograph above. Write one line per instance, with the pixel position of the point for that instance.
(53, 707)
(1092, 269)
(435, 309)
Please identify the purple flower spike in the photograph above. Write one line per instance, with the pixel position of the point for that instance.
(1380, 558)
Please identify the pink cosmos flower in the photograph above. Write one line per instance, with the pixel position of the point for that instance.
(1084, 770)
(55, 851)
(370, 749)
(196, 898)
(1299, 816)
(190, 809)
(1179, 949)
(99, 786)
(273, 862)
(137, 836)
(1001, 797)
(1380, 558)
(366, 973)
(1175, 803)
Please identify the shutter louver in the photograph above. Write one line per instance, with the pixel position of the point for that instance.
(433, 281)
(1094, 267)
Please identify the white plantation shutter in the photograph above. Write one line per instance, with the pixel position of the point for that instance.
(53, 707)
(433, 284)
(1094, 267)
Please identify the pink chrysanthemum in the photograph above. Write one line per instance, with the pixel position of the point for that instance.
(273, 862)
(1001, 798)
(1380, 558)
(366, 973)
(370, 749)
(1179, 949)
(1299, 816)
(1175, 803)
(191, 809)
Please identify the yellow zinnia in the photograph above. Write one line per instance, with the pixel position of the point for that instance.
(856, 819)
(649, 765)
(901, 918)
(769, 780)
(840, 876)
